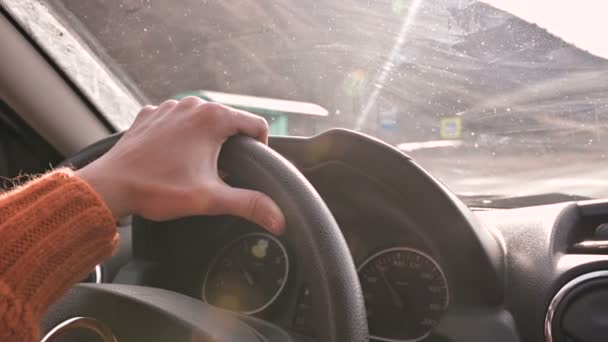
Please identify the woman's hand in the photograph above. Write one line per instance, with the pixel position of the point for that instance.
(165, 165)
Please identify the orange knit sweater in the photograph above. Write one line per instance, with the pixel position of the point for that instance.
(53, 231)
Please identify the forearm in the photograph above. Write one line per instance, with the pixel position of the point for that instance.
(54, 230)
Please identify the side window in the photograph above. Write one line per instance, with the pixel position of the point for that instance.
(22, 151)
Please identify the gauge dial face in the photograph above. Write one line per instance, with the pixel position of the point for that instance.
(405, 294)
(248, 274)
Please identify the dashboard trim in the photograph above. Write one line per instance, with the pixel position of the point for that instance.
(98, 274)
(88, 323)
(592, 245)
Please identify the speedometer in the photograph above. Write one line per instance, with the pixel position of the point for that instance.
(405, 294)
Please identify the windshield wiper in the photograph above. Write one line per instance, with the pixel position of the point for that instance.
(510, 202)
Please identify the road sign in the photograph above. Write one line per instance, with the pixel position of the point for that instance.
(450, 127)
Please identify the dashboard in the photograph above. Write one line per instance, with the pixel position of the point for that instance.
(430, 268)
(236, 265)
(254, 273)
(405, 288)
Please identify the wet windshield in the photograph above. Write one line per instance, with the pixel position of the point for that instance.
(491, 101)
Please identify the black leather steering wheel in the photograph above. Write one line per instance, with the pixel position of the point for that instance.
(319, 245)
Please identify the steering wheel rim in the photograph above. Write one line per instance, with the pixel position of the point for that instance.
(319, 245)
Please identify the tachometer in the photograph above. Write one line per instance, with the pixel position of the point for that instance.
(405, 294)
(248, 274)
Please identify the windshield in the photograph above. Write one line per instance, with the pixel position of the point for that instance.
(510, 101)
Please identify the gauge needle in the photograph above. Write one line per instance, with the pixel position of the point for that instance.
(394, 294)
(247, 275)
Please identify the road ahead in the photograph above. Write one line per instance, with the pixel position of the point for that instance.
(584, 174)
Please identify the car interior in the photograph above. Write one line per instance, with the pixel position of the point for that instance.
(376, 248)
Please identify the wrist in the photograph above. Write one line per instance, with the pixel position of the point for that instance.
(111, 189)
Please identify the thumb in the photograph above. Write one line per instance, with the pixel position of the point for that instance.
(250, 205)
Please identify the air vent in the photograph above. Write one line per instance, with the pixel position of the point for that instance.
(591, 247)
(579, 310)
(597, 243)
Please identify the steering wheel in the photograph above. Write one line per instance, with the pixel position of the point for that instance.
(150, 314)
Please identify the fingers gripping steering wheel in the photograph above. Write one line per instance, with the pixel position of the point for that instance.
(319, 247)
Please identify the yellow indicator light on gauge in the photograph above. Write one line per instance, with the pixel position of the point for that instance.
(259, 250)
(229, 302)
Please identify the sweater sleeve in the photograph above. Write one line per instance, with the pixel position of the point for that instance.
(53, 231)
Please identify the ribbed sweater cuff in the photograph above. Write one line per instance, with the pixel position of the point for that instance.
(53, 231)
(17, 322)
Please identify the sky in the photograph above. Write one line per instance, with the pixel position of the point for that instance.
(583, 23)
